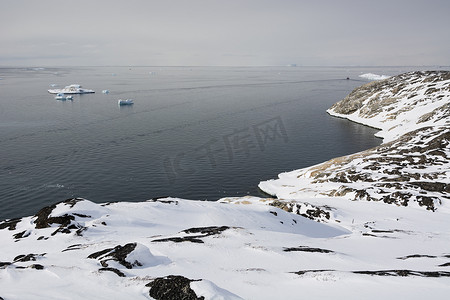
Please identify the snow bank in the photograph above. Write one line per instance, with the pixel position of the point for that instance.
(211, 291)
(238, 248)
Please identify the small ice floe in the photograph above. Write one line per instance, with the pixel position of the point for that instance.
(53, 85)
(371, 76)
(125, 102)
(105, 92)
(61, 96)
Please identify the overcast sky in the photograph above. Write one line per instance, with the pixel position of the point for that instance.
(224, 32)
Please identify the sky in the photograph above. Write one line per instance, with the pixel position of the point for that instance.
(224, 32)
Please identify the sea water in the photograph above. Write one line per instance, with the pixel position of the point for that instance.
(200, 133)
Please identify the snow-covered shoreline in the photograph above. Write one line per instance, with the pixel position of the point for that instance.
(313, 240)
(395, 105)
(412, 112)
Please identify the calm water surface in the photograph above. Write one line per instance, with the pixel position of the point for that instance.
(196, 133)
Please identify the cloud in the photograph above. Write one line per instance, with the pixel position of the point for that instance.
(254, 32)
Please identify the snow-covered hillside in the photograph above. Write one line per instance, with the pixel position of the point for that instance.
(240, 248)
(412, 166)
(312, 241)
(399, 104)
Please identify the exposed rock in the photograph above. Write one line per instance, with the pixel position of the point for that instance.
(416, 256)
(36, 266)
(114, 270)
(177, 239)
(72, 247)
(172, 288)
(207, 231)
(24, 258)
(118, 253)
(303, 272)
(203, 232)
(22, 234)
(404, 273)
(163, 200)
(4, 264)
(10, 224)
(307, 210)
(28, 257)
(66, 224)
(307, 249)
(43, 219)
(394, 273)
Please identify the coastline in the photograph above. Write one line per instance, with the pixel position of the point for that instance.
(315, 239)
(413, 109)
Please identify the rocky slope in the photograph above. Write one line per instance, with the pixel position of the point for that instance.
(412, 166)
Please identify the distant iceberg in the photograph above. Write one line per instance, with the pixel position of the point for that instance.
(71, 89)
(125, 102)
(371, 76)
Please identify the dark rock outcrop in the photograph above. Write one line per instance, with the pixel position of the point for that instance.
(172, 288)
(307, 249)
(10, 224)
(307, 210)
(27, 257)
(404, 273)
(199, 232)
(118, 254)
(114, 270)
(393, 273)
(66, 222)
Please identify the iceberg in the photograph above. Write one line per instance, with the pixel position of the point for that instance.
(371, 76)
(71, 89)
(125, 102)
(61, 96)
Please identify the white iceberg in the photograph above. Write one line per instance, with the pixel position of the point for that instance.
(71, 89)
(61, 96)
(125, 102)
(371, 76)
